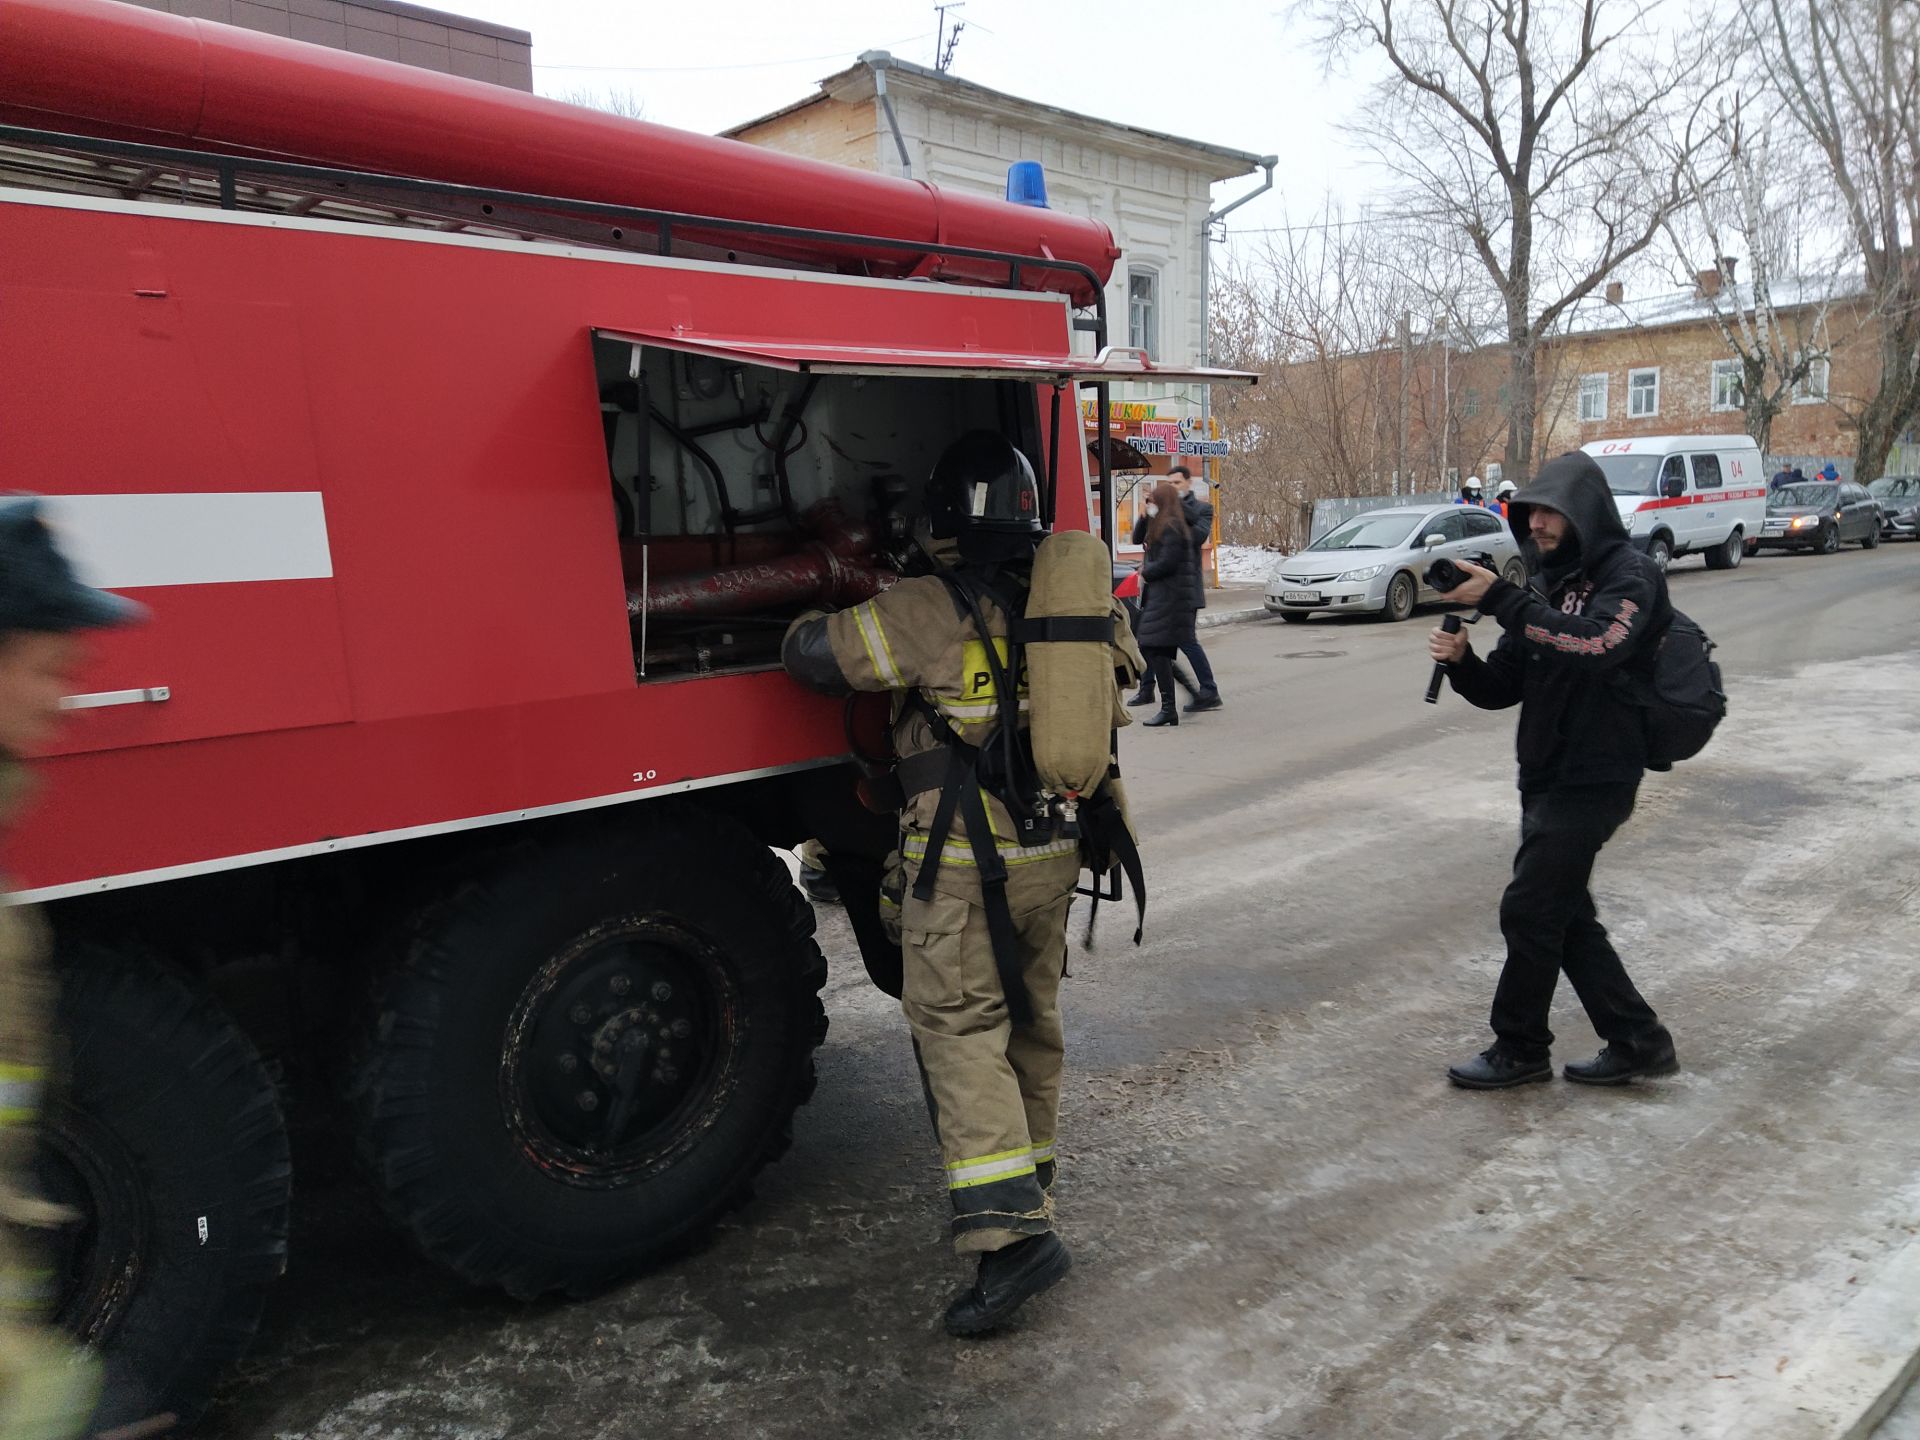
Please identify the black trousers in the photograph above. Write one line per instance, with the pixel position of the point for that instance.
(1202, 668)
(1548, 919)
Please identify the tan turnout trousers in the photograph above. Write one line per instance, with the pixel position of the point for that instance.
(993, 1087)
(47, 1389)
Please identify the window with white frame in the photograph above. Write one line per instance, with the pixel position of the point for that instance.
(1143, 310)
(1813, 389)
(1643, 393)
(1469, 402)
(1593, 398)
(1729, 384)
(1494, 474)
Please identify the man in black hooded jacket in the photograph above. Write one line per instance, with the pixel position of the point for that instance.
(1595, 606)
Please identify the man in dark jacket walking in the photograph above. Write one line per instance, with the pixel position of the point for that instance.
(1596, 605)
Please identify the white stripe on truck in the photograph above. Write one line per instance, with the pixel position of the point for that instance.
(126, 542)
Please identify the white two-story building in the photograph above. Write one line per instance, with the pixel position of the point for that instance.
(1154, 191)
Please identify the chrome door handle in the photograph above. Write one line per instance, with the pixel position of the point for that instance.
(100, 699)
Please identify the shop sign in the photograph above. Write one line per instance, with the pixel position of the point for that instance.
(1176, 437)
(1121, 412)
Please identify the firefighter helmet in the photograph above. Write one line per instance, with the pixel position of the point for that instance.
(983, 496)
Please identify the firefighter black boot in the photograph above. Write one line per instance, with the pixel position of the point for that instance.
(1006, 1280)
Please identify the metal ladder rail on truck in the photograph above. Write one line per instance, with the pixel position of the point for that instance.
(436, 794)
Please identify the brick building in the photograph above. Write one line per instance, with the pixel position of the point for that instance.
(1625, 366)
(1660, 365)
(386, 29)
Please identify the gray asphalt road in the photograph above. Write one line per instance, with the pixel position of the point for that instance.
(1285, 1223)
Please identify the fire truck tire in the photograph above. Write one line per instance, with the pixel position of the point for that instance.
(583, 1057)
(165, 1133)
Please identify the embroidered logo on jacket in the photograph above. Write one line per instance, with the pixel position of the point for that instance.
(1606, 640)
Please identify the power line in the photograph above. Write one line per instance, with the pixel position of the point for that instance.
(1313, 225)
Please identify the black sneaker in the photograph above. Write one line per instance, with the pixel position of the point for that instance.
(1141, 697)
(1006, 1280)
(1495, 1069)
(1210, 700)
(1616, 1065)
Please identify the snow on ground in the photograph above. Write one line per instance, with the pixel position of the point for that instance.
(1246, 564)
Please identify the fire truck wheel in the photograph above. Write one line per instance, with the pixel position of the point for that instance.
(583, 1057)
(165, 1135)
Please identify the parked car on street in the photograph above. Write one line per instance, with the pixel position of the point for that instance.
(1821, 515)
(1687, 494)
(1899, 497)
(1376, 563)
(1126, 585)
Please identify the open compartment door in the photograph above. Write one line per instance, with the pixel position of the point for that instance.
(805, 357)
(1125, 362)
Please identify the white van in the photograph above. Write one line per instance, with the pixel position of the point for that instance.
(1685, 493)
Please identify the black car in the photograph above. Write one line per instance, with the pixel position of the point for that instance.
(1899, 497)
(1821, 515)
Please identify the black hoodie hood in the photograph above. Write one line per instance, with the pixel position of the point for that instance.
(1575, 486)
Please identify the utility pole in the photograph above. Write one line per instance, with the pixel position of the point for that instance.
(1406, 367)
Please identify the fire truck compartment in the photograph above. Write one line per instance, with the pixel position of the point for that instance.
(747, 491)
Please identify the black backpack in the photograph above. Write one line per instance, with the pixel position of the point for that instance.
(1680, 690)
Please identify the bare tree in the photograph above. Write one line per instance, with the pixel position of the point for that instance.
(1775, 323)
(1539, 135)
(623, 103)
(1848, 72)
(1316, 310)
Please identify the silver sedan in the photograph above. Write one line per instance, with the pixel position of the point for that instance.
(1376, 563)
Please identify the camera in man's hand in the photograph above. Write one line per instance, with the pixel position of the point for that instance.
(1444, 576)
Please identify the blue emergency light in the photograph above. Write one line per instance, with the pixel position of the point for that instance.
(1027, 184)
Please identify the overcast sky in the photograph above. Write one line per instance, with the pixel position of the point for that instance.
(1233, 72)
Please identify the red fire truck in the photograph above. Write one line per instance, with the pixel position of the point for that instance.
(470, 452)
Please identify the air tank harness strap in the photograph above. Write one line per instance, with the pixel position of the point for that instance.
(1038, 629)
(961, 794)
(1106, 845)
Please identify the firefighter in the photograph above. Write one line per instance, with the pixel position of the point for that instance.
(47, 1388)
(984, 897)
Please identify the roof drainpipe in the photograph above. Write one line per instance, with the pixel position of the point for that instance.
(877, 61)
(1267, 162)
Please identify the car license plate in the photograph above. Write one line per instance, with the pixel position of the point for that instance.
(1300, 597)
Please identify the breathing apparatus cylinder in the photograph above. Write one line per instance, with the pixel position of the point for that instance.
(1071, 681)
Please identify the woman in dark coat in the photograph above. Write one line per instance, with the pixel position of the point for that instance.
(1170, 576)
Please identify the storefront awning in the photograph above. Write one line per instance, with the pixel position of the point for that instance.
(1120, 455)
